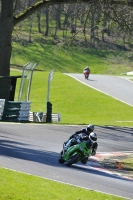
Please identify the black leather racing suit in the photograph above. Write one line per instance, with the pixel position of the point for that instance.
(84, 134)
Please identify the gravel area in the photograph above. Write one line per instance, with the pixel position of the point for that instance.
(116, 164)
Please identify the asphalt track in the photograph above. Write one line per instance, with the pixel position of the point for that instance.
(35, 149)
(118, 87)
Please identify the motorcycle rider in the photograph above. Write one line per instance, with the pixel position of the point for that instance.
(86, 69)
(84, 131)
(86, 72)
(85, 135)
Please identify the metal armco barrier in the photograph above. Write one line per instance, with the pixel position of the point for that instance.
(16, 111)
(41, 117)
(2, 104)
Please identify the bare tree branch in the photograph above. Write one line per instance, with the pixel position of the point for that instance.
(40, 4)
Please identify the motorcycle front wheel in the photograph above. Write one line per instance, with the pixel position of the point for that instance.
(61, 160)
(73, 159)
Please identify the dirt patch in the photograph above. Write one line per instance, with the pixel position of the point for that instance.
(118, 164)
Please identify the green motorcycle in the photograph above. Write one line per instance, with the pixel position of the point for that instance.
(75, 153)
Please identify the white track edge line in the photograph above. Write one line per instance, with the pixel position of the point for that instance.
(98, 89)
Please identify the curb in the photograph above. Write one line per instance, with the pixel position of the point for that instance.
(98, 162)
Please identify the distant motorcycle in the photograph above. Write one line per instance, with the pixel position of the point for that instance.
(75, 153)
(86, 74)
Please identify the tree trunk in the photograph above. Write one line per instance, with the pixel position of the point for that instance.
(6, 28)
(58, 17)
(47, 21)
(38, 19)
(92, 20)
(30, 26)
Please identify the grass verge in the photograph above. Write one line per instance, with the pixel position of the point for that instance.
(19, 186)
(128, 163)
(77, 103)
(71, 59)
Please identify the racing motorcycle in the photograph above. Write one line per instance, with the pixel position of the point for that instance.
(86, 74)
(75, 153)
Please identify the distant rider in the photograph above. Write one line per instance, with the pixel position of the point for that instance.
(86, 71)
(86, 135)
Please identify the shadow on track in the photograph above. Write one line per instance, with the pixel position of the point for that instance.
(23, 151)
(126, 130)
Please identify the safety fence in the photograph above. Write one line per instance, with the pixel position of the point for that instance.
(2, 104)
(14, 111)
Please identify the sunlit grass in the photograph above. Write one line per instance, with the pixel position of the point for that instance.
(128, 162)
(77, 103)
(19, 186)
(70, 59)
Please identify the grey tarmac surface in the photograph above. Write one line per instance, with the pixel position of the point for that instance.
(115, 86)
(35, 149)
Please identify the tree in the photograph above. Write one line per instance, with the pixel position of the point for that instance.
(39, 23)
(6, 28)
(8, 19)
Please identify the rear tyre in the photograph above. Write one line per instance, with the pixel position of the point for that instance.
(86, 77)
(73, 159)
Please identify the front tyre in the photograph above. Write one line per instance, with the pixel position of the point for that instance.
(73, 159)
(61, 160)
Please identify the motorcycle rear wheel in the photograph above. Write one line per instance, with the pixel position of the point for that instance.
(86, 77)
(73, 159)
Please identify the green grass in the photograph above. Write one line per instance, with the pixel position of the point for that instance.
(70, 59)
(77, 103)
(19, 186)
(128, 162)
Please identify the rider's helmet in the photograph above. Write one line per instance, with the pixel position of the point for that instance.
(93, 137)
(90, 128)
(86, 68)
